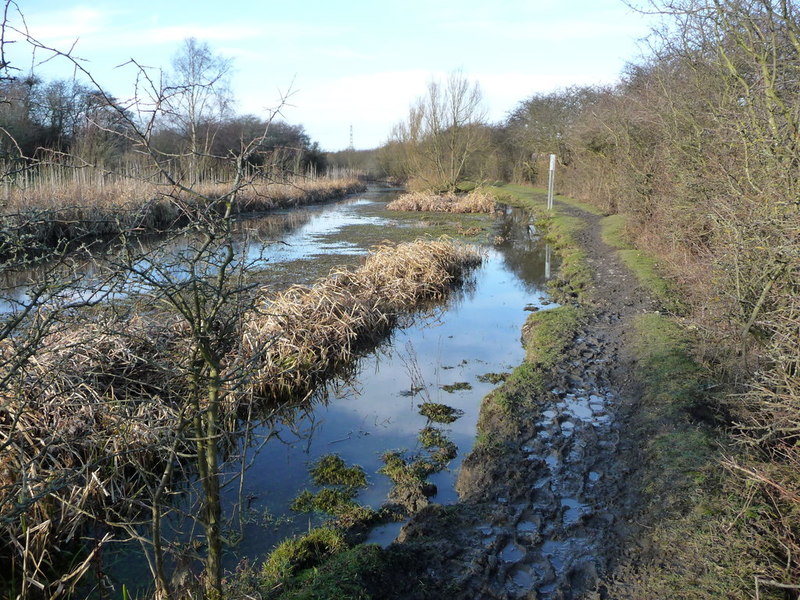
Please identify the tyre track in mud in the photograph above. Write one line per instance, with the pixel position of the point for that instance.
(547, 517)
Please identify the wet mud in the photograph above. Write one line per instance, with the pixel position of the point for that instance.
(546, 513)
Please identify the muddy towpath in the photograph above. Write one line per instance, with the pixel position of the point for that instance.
(548, 494)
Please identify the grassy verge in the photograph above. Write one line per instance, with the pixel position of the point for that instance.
(701, 535)
(641, 264)
(506, 408)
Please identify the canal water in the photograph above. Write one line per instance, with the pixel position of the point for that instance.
(475, 333)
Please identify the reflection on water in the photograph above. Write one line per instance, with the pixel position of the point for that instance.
(260, 242)
(477, 332)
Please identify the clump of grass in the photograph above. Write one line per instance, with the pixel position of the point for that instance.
(332, 470)
(336, 499)
(476, 201)
(402, 469)
(303, 334)
(439, 413)
(337, 502)
(296, 554)
(457, 386)
(442, 449)
(493, 378)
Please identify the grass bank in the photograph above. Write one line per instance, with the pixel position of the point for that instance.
(706, 535)
(703, 536)
(704, 532)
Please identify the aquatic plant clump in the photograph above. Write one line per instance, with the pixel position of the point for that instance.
(474, 202)
(439, 413)
(305, 334)
(332, 470)
(306, 551)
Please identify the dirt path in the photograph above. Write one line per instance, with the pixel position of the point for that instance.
(546, 518)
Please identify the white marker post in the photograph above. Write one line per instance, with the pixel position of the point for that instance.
(551, 182)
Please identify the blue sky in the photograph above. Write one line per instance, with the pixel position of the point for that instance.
(354, 62)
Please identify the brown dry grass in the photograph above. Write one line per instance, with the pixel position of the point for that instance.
(310, 332)
(475, 201)
(99, 405)
(57, 209)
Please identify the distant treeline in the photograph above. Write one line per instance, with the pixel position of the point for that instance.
(40, 119)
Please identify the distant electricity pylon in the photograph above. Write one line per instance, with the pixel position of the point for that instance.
(351, 146)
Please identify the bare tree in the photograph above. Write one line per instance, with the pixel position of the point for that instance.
(443, 132)
(197, 97)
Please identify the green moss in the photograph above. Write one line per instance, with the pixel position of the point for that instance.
(332, 470)
(439, 413)
(299, 553)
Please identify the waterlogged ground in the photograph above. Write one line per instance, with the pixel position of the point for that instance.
(476, 333)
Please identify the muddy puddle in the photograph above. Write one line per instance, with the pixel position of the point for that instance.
(448, 355)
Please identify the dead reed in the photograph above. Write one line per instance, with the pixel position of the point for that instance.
(54, 209)
(475, 201)
(103, 403)
(304, 334)
(80, 430)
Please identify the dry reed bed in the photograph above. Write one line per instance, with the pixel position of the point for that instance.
(99, 405)
(475, 201)
(304, 334)
(46, 214)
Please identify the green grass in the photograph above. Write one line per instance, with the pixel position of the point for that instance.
(644, 266)
(537, 197)
(701, 537)
(505, 409)
(332, 470)
(364, 572)
(295, 554)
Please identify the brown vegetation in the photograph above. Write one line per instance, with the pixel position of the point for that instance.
(311, 332)
(61, 206)
(475, 201)
(101, 403)
(698, 148)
